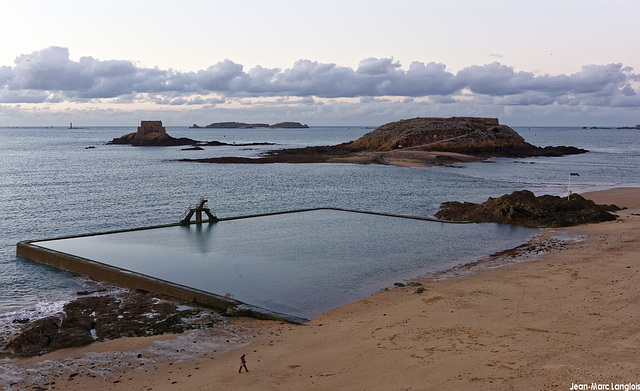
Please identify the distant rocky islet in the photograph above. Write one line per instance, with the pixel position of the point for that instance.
(242, 125)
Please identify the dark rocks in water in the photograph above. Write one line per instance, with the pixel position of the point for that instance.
(523, 208)
(242, 125)
(218, 144)
(549, 151)
(97, 318)
(196, 148)
(320, 154)
(164, 140)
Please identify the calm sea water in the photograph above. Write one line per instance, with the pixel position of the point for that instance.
(52, 186)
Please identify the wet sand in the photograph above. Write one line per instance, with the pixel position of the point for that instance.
(570, 316)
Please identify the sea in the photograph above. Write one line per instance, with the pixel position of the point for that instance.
(57, 182)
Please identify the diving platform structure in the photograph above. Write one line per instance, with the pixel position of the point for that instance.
(197, 211)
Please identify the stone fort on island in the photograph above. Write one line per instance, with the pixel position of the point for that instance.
(147, 127)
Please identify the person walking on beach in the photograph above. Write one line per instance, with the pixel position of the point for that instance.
(243, 364)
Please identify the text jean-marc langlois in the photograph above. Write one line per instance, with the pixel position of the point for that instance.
(605, 386)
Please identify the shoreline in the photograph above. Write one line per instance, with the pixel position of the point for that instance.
(570, 316)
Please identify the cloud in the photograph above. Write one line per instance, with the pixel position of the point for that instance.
(369, 99)
(311, 78)
(23, 96)
(49, 75)
(593, 81)
(6, 74)
(218, 77)
(422, 80)
(377, 67)
(51, 70)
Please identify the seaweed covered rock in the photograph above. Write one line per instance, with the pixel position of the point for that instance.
(523, 208)
(97, 318)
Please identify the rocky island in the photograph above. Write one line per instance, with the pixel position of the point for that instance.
(418, 142)
(242, 125)
(153, 134)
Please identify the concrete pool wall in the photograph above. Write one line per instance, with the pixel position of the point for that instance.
(121, 277)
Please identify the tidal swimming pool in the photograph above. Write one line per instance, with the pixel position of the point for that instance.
(301, 264)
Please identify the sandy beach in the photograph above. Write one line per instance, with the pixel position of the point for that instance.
(569, 317)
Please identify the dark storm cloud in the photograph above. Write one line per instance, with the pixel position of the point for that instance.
(49, 75)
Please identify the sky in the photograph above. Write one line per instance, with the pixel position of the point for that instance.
(330, 62)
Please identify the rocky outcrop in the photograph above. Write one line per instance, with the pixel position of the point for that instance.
(164, 140)
(523, 208)
(242, 125)
(98, 318)
(423, 131)
(151, 133)
(152, 140)
(483, 137)
(294, 155)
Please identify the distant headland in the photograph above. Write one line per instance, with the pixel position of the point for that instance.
(637, 127)
(242, 125)
(417, 142)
